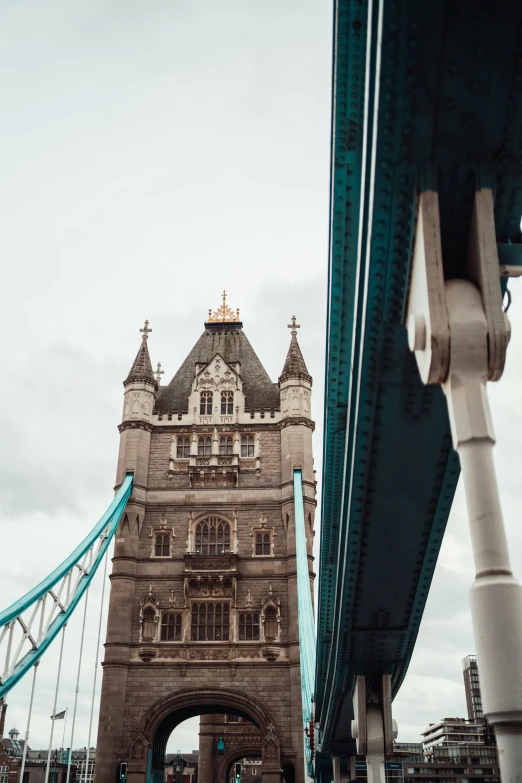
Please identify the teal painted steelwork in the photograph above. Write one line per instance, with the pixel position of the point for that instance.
(305, 614)
(425, 95)
(105, 528)
(149, 777)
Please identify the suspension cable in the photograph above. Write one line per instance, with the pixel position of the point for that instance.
(96, 666)
(77, 687)
(24, 752)
(54, 707)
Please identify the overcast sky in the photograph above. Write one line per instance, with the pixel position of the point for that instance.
(153, 153)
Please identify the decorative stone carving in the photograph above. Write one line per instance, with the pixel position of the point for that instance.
(271, 652)
(209, 655)
(170, 654)
(147, 653)
(210, 562)
(138, 748)
(248, 653)
(210, 587)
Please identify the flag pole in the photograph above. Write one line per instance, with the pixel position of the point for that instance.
(64, 725)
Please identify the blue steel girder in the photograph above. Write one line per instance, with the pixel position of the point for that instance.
(442, 109)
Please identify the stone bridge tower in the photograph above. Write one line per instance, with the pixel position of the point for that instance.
(203, 607)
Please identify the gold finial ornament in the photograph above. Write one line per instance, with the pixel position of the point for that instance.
(224, 314)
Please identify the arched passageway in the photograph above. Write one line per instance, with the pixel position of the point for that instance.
(147, 752)
(232, 757)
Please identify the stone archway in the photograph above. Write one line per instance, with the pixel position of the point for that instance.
(147, 750)
(235, 755)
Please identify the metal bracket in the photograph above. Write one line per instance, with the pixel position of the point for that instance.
(427, 318)
(373, 727)
(479, 333)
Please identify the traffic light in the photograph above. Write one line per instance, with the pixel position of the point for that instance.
(122, 777)
(238, 771)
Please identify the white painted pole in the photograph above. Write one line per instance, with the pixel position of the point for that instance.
(375, 751)
(336, 763)
(96, 665)
(54, 706)
(496, 596)
(24, 752)
(69, 760)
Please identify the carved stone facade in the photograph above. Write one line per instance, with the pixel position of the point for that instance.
(203, 608)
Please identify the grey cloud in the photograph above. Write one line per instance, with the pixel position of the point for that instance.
(151, 158)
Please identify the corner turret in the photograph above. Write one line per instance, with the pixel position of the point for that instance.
(140, 384)
(295, 382)
(139, 398)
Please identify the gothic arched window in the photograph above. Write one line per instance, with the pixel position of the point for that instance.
(170, 627)
(205, 403)
(270, 624)
(247, 446)
(183, 448)
(248, 627)
(204, 447)
(147, 629)
(210, 622)
(225, 445)
(162, 545)
(227, 403)
(212, 537)
(263, 543)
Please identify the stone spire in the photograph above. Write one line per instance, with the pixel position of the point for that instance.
(294, 366)
(141, 370)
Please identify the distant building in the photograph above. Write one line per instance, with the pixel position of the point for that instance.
(181, 767)
(450, 731)
(84, 766)
(474, 697)
(454, 751)
(472, 687)
(8, 766)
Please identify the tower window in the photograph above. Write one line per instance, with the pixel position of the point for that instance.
(147, 629)
(248, 627)
(171, 627)
(263, 543)
(270, 624)
(212, 537)
(225, 445)
(247, 446)
(205, 403)
(162, 545)
(227, 403)
(204, 447)
(183, 448)
(210, 622)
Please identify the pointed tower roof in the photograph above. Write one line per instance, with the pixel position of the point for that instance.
(223, 335)
(141, 370)
(294, 366)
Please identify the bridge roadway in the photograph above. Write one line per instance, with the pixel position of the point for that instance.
(437, 106)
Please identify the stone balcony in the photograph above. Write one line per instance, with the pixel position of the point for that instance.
(212, 470)
(225, 563)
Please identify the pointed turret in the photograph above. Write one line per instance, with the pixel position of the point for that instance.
(294, 366)
(141, 370)
(140, 393)
(295, 382)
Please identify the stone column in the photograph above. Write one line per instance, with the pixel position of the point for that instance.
(207, 742)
